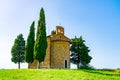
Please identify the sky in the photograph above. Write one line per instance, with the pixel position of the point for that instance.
(98, 21)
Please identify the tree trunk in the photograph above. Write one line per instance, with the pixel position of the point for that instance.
(18, 65)
(38, 65)
(19, 61)
(77, 65)
(78, 57)
(28, 65)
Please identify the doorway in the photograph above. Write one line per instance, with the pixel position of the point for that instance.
(65, 63)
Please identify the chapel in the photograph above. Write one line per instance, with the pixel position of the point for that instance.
(57, 52)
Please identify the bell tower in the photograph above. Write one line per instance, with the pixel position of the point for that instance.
(60, 53)
(59, 30)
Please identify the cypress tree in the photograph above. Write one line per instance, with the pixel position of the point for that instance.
(29, 50)
(41, 42)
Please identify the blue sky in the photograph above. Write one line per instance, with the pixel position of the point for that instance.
(98, 21)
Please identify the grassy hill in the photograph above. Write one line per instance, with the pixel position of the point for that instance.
(57, 74)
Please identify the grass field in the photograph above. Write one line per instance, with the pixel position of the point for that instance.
(57, 74)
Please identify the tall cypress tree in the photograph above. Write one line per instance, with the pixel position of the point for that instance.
(18, 50)
(41, 42)
(29, 50)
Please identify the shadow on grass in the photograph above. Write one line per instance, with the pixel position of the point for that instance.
(103, 73)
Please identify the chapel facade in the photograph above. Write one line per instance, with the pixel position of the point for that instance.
(57, 52)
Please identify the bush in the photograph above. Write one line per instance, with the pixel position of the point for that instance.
(89, 67)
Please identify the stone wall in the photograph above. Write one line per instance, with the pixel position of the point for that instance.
(34, 64)
(59, 53)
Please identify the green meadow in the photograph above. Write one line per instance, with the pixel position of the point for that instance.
(57, 74)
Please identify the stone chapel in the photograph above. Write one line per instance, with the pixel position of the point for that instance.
(57, 52)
